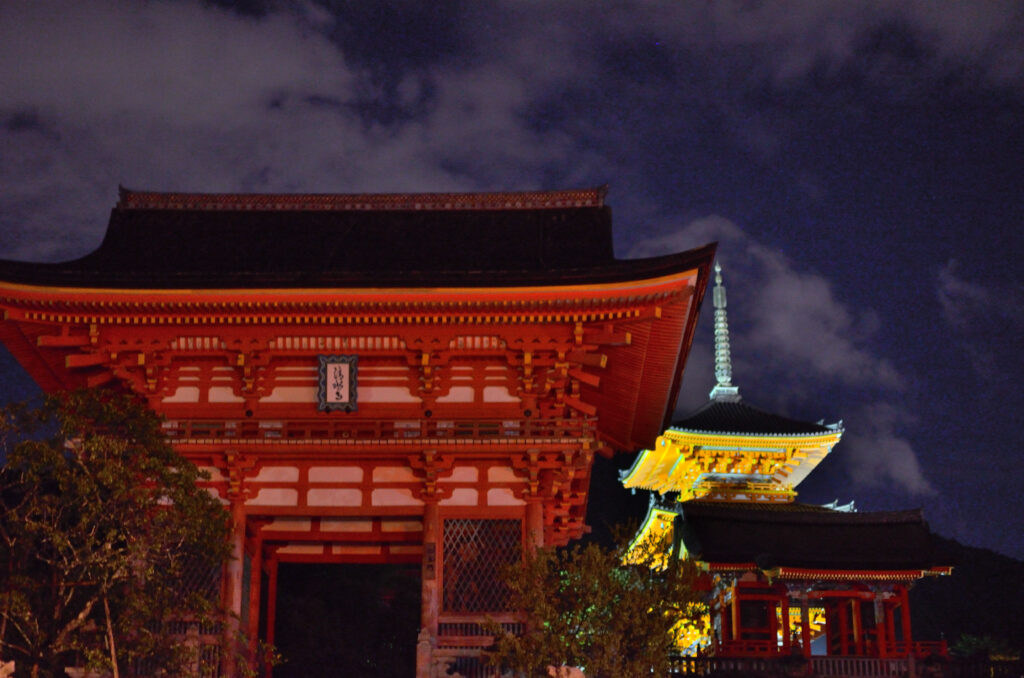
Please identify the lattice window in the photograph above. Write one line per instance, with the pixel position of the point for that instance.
(475, 552)
(472, 667)
(464, 629)
(200, 638)
(202, 579)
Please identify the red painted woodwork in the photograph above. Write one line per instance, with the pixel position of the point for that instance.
(475, 403)
(860, 618)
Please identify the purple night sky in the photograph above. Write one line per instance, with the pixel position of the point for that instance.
(861, 165)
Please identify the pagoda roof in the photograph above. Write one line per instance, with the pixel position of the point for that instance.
(736, 417)
(801, 536)
(220, 241)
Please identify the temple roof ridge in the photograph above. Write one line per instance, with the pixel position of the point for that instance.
(849, 507)
(495, 200)
(740, 418)
(799, 511)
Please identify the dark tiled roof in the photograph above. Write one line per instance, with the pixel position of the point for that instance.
(738, 417)
(159, 240)
(803, 536)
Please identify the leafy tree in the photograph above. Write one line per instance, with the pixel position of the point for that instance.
(985, 647)
(104, 538)
(587, 606)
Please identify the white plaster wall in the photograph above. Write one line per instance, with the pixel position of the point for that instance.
(394, 497)
(334, 496)
(275, 496)
(335, 474)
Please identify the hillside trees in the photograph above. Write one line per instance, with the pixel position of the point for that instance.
(104, 537)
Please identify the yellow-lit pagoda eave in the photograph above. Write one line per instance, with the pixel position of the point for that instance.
(752, 440)
(655, 532)
(680, 459)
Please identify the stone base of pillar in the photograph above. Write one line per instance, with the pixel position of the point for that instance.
(424, 655)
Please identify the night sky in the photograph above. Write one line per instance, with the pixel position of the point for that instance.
(861, 165)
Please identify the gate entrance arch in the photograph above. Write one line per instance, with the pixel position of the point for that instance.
(365, 619)
(417, 379)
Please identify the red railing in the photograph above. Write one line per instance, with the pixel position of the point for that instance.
(919, 648)
(745, 648)
(768, 648)
(857, 667)
(820, 667)
(923, 662)
(375, 429)
(461, 643)
(703, 666)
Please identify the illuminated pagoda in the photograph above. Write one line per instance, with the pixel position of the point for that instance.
(420, 379)
(788, 578)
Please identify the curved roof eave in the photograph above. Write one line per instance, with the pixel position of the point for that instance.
(78, 273)
(736, 418)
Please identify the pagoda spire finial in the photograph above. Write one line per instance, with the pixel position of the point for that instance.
(723, 390)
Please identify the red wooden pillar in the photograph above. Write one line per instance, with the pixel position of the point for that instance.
(858, 627)
(844, 627)
(881, 628)
(829, 631)
(233, 587)
(773, 624)
(905, 617)
(255, 585)
(271, 598)
(431, 594)
(725, 620)
(430, 602)
(271, 604)
(805, 626)
(735, 613)
(890, 625)
(534, 523)
(233, 581)
(787, 640)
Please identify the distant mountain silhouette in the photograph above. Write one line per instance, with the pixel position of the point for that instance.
(983, 597)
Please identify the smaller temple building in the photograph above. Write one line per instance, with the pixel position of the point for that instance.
(785, 578)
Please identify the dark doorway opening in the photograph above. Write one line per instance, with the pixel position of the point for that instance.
(354, 621)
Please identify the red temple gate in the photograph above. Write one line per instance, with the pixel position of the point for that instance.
(491, 344)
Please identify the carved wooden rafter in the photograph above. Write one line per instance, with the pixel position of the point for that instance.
(236, 467)
(549, 365)
(429, 466)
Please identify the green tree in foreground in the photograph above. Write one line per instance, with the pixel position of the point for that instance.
(104, 538)
(586, 607)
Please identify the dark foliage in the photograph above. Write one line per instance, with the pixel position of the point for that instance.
(592, 606)
(101, 522)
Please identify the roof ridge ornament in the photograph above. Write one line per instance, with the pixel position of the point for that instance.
(501, 200)
(723, 391)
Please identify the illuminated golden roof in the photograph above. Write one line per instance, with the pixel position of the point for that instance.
(698, 464)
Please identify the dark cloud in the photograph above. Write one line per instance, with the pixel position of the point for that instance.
(850, 150)
(987, 322)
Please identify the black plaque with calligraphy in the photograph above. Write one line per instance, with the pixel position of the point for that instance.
(337, 389)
